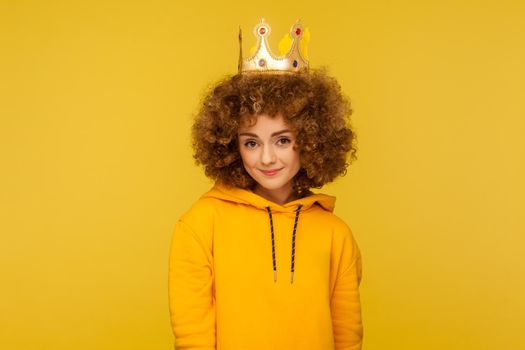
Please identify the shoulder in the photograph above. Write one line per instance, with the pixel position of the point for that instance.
(331, 224)
(199, 221)
(342, 234)
(336, 223)
(201, 213)
(201, 208)
(345, 249)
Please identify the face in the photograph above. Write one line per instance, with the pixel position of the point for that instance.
(268, 154)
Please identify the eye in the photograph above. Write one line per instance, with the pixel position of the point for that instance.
(250, 144)
(284, 141)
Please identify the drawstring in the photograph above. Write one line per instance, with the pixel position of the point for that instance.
(293, 242)
(273, 246)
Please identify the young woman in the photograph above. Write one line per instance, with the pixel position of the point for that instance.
(260, 261)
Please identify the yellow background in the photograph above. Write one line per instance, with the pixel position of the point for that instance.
(96, 101)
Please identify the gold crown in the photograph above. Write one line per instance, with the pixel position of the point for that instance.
(292, 48)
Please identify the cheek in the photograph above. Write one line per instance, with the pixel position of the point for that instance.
(247, 157)
(293, 158)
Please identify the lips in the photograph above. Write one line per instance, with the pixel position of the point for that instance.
(270, 172)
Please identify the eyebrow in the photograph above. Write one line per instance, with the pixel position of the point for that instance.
(255, 135)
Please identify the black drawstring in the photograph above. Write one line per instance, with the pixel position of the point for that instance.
(273, 245)
(293, 242)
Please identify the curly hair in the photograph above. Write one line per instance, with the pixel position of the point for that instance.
(312, 105)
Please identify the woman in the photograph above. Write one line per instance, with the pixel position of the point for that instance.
(259, 261)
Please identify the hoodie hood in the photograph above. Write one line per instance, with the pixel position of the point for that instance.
(242, 196)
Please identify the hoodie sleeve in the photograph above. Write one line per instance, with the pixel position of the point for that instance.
(345, 301)
(191, 300)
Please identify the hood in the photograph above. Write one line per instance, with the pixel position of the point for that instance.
(238, 195)
(242, 196)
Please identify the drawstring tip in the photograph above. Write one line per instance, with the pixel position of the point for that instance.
(274, 276)
(291, 277)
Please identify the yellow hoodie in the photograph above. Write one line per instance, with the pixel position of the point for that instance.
(239, 281)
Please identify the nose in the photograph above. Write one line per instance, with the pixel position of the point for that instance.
(268, 155)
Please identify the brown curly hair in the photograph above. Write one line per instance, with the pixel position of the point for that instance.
(312, 105)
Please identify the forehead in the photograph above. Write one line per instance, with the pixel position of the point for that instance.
(262, 123)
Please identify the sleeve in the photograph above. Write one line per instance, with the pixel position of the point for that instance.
(190, 286)
(345, 301)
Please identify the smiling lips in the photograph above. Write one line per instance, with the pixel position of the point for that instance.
(270, 172)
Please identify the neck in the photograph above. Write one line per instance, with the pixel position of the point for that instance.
(280, 196)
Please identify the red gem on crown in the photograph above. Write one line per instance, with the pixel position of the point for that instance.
(297, 31)
(262, 30)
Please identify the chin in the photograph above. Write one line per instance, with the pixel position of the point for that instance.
(272, 185)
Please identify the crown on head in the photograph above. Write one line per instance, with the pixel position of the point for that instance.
(263, 60)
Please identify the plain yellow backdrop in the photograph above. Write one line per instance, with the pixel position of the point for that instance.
(96, 101)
